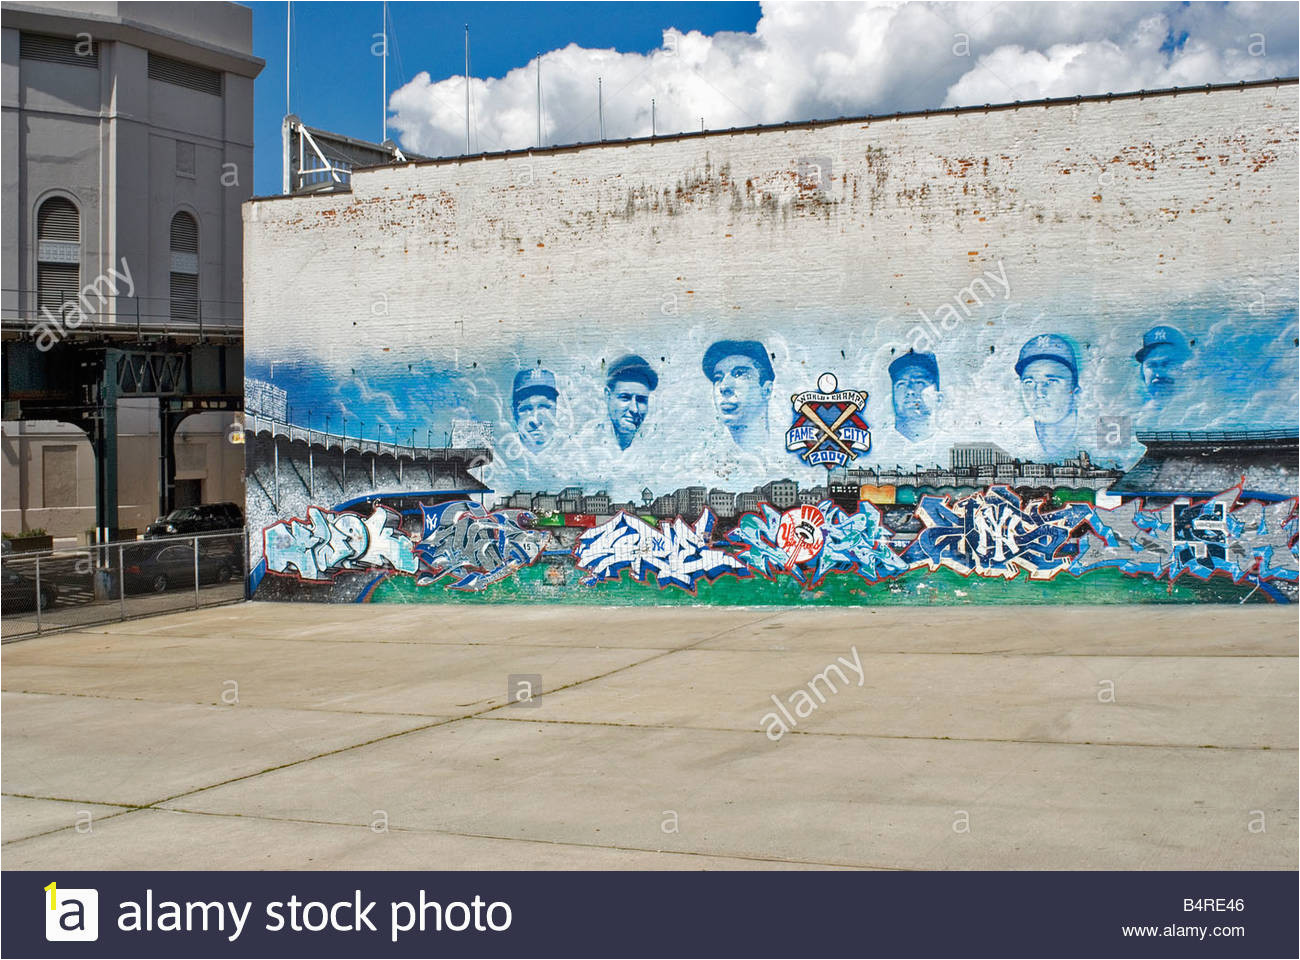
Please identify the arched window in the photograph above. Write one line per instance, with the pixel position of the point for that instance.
(185, 268)
(58, 255)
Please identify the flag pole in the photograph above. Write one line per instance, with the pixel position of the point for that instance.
(467, 89)
(383, 94)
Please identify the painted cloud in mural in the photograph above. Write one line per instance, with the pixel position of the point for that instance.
(554, 425)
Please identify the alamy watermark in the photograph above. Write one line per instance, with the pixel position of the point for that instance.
(947, 317)
(53, 326)
(801, 701)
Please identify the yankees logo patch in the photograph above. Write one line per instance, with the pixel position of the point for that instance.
(828, 427)
(801, 534)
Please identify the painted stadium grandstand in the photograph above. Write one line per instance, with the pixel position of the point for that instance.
(1202, 463)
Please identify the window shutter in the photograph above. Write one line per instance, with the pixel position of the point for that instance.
(59, 220)
(184, 268)
(37, 46)
(58, 255)
(184, 74)
(56, 285)
(185, 234)
(185, 296)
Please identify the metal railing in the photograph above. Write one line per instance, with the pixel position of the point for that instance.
(1214, 436)
(258, 423)
(51, 590)
(123, 315)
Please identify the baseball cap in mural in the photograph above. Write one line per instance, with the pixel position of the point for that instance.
(1048, 346)
(632, 367)
(739, 348)
(1163, 336)
(923, 361)
(537, 380)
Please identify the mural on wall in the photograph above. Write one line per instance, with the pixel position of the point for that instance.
(944, 373)
(1028, 488)
(1255, 543)
(810, 541)
(328, 542)
(477, 548)
(675, 553)
(993, 534)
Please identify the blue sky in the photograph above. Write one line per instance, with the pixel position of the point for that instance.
(336, 79)
(728, 64)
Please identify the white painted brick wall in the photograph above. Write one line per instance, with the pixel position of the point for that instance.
(1116, 204)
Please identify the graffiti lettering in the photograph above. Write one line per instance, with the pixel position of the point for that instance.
(993, 535)
(1248, 542)
(328, 542)
(809, 542)
(463, 539)
(677, 554)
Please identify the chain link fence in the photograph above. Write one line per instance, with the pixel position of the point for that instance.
(104, 583)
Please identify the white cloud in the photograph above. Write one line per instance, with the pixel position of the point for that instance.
(823, 60)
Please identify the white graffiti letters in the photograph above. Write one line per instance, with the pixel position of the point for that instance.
(327, 542)
(676, 553)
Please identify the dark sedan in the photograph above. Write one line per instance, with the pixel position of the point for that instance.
(20, 592)
(203, 518)
(173, 566)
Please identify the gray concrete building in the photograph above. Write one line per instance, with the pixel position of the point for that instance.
(127, 152)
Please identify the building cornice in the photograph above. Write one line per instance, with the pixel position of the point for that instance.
(45, 19)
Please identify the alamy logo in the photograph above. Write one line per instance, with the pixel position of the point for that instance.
(828, 424)
(71, 914)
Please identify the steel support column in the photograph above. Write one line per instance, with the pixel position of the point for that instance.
(167, 424)
(104, 440)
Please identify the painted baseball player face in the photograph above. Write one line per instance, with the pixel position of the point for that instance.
(739, 395)
(628, 402)
(535, 417)
(1161, 368)
(1048, 390)
(916, 397)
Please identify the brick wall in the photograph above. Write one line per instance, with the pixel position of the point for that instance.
(417, 299)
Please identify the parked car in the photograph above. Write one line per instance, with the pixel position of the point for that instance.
(172, 565)
(204, 518)
(20, 592)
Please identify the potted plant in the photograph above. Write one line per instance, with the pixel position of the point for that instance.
(30, 540)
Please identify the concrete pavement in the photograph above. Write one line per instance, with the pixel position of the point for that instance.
(310, 736)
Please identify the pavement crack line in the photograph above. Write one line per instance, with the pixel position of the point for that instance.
(894, 736)
(539, 840)
(426, 726)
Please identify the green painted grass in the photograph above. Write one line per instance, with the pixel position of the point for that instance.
(530, 585)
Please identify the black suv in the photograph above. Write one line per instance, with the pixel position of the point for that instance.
(204, 518)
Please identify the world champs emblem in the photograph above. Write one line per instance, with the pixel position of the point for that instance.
(828, 424)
